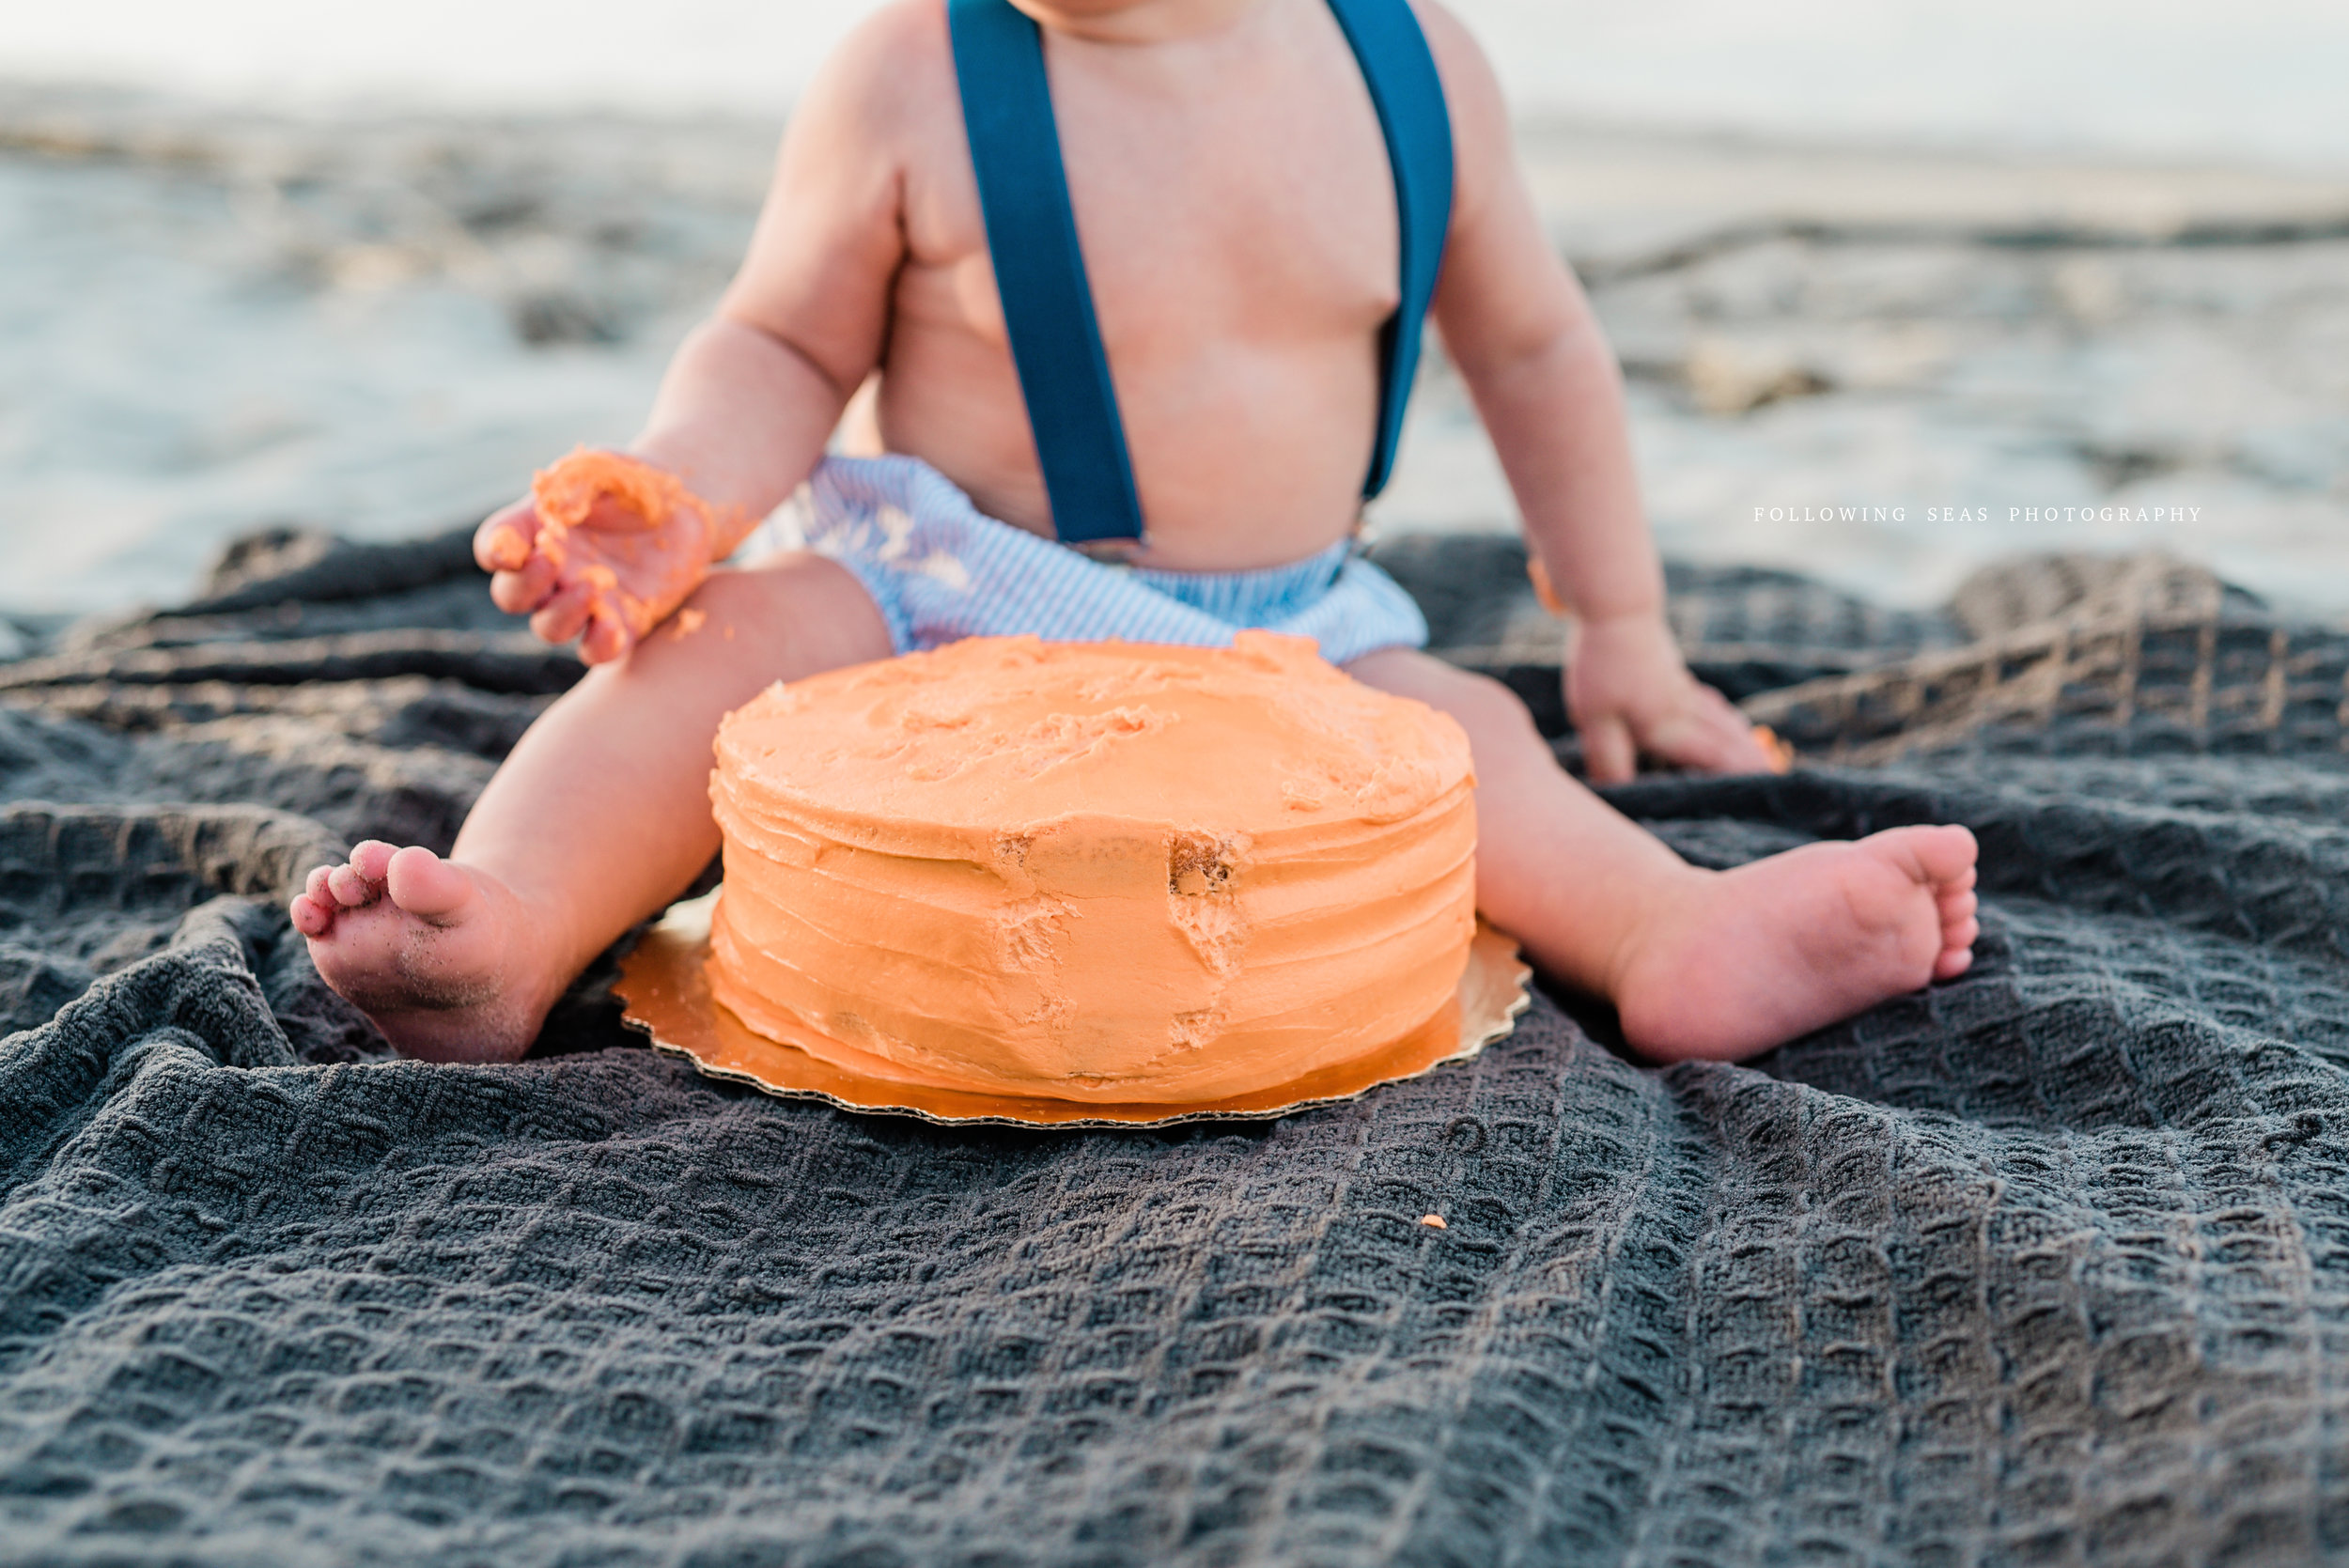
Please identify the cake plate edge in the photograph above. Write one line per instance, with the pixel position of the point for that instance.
(665, 997)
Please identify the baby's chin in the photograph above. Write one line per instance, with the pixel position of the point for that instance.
(1163, 20)
(1078, 9)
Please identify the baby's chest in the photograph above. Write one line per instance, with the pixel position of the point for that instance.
(1259, 215)
(1276, 209)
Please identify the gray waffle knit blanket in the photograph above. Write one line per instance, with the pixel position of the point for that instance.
(2047, 1266)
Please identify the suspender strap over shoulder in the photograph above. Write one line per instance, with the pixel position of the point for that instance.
(1040, 273)
(1408, 95)
(1039, 265)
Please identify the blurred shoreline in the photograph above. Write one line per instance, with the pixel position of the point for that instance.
(378, 323)
(2252, 81)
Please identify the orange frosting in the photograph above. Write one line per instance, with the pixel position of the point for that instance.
(651, 557)
(1104, 871)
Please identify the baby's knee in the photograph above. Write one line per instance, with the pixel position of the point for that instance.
(806, 600)
(1486, 709)
(1489, 710)
(1489, 706)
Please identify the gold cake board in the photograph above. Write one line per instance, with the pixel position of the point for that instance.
(666, 992)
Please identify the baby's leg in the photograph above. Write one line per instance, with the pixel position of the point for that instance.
(1698, 963)
(598, 818)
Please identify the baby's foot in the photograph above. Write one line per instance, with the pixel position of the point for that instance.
(1747, 959)
(437, 953)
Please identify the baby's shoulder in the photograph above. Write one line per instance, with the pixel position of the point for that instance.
(901, 35)
(894, 70)
(1481, 133)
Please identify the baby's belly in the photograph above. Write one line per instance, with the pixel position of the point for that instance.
(1244, 455)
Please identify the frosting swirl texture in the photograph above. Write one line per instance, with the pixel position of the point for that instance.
(1103, 872)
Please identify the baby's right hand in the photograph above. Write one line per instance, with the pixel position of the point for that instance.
(603, 549)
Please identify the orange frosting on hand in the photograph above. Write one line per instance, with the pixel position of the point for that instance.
(1102, 872)
(640, 559)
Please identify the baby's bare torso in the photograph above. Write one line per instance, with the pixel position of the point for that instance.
(1237, 212)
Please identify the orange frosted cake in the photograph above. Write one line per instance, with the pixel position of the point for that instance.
(1103, 872)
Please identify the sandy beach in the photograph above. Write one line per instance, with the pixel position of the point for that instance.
(1878, 364)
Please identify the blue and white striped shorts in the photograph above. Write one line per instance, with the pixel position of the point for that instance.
(941, 569)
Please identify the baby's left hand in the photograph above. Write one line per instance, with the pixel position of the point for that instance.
(1630, 692)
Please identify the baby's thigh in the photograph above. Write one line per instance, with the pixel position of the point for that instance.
(791, 615)
(1501, 732)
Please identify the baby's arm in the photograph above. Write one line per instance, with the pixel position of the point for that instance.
(1545, 383)
(751, 394)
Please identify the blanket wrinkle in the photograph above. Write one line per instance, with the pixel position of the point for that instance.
(2048, 1262)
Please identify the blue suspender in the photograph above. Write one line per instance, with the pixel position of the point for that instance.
(1039, 266)
(1410, 98)
(1040, 273)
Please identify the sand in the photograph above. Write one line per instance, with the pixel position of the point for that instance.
(1884, 366)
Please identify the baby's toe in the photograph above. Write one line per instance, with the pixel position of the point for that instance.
(1959, 927)
(372, 858)
(1947, 854)
(424, 884)
(312, 917)
(349, 888)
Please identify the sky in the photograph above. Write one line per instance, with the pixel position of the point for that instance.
(2224, 80)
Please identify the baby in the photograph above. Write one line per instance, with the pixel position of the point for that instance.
(1234, 170)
